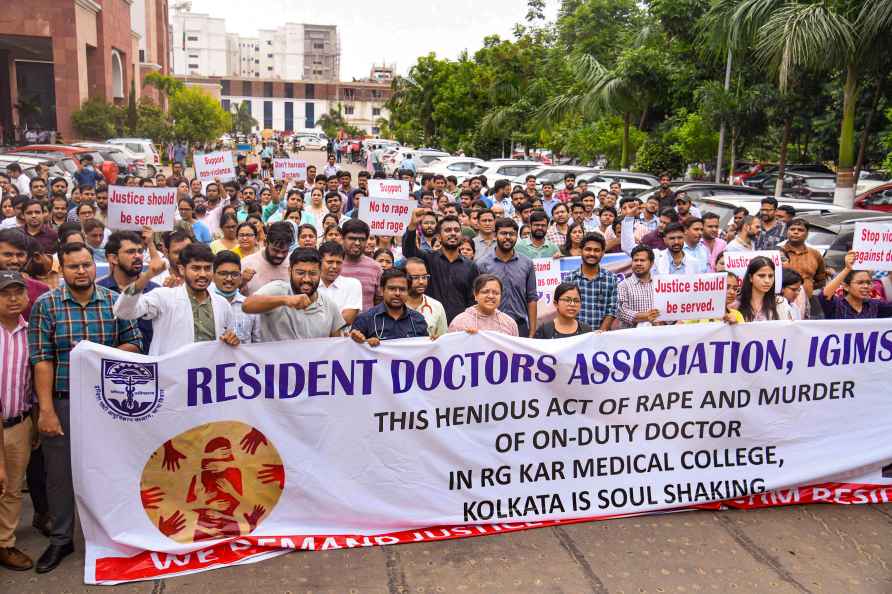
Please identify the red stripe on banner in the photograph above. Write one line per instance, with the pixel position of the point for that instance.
(149, 565)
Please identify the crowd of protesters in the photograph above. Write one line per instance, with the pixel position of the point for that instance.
(258, 259)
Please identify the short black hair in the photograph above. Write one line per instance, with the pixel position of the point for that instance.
(790, 277)
(638, 249)
(113, 245)
(769, 200)
(570, 175)
(563, 288)
(710, 215)
(280, 232)
(596, 237)
(609, 209)
(789, 209)
(505, 222)
(798, 223)
(447, 219)
(16, 238)
(482, 279)
(305, 255)
(672, 228)
(500, 184)
(175, 236)
(690, 221)
(196, 252)
(356, 226)
(226, 257)
(670, 213)
(70, 248)
(393, 273)
(331, 248)
(537, 216)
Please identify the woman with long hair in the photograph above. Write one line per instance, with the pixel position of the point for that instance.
(856, 302)
(573, 245)
(567, 300)
(757, 302)
(485, 315)
(229, 241)
(317, 207)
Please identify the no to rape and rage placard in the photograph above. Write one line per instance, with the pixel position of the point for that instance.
(134, 208)
(388, 188)
(737, 262)
(211, 166)
(386, 216)
(212, 456)
(690, 297)
(873, 246)
(290, 169)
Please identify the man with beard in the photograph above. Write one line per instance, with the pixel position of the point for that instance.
(557, 230)
(745, 241)
(807, 261)
(773, 230)
(635, 294)
(38, 188)
(565, 195)
(14, 255)
(124, 252)
(714, 244)
(346, 292)
(390, 319)
(430, 308)
(665, 194)
(359, 266)
(270, 264)
(520, 297)
(537, 246)
(36, 229)
(295, 309)
(674, 259)
(452, 276)
(428, 229)
(58, 211)
(79, 310)
(180, 315)
(597, 286)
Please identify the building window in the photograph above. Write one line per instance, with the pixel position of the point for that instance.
(193, 56)
(317, 72)
(142, 55)
(317, 45)
(289, 116)
(268, 115)
(348, 110)
(376, 111)
(349, 94)
(192, 38)
(268, 89)
(376, 130)
(193, 66)
(310, 93)
(289, 90)
(257, 75)
(309, 115)
(118, 75)
(270, 68)
(269, 42)
(257, 61)
(376, 94)
(224, 103)
(269, 55)
(224, 87)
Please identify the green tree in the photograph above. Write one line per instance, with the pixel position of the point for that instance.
(842, 37)
(197, 116)
(165, 83)
(132, 114)
(242, 120)
(152, 122)
(656, 156)
(95, 119)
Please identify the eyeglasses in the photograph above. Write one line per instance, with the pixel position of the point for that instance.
(570, 301)
(418, 277)
(229, 275)
(246, 235)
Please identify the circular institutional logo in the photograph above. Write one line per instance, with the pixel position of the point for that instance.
(129, 391)
(217, 480)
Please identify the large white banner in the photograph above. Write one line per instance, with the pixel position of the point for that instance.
(212, 455)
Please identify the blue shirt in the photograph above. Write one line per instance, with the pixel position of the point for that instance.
(376, 322)
(598, 296)
(202, 233)
(548, 205)
(87, 177)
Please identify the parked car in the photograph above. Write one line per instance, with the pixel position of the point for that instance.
(877, 198)
(29, 163)
(142, 148)
(504, 169)
(460, 167)
(107, 167)
(310, 142)
(757, 179)
(815, 186)
(631, 183)
(837, 230)
(697, 190)
(127, 161)
(551, 173)
(724, 205)
(422, 157)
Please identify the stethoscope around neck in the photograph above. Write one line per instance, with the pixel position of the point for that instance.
(379, 334)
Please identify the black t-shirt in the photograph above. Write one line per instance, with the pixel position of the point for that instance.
(549, 332)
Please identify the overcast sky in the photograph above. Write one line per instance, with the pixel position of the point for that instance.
(392, 31)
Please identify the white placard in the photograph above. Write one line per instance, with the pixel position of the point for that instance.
(690, 296)
(134, 208)
(210, 166)
(548, 277)
(873, 246)
(386, 216)
(388, 188)
(290, 169)
(737, 263)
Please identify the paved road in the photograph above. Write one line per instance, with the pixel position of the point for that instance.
(796, 550)
(793, 550)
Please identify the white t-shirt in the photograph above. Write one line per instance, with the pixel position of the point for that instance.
(345, 292)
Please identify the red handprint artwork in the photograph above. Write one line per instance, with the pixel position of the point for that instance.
(151, 497)
(253, 440)
(172, 457)
(172, 525)
(254, 517)
(272, 473)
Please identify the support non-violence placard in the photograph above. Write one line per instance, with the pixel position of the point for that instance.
(386, 216)
(872, 245)
(132, 208)
(217, 165)
(388, 188)
(690, 296)
(737, 262)
(290, 169)
(213, 455)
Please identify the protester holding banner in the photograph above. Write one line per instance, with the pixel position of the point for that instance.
(80, 310)
(392, 318)
(568, 301)
(432, 310)
(180, 315)
(732, 316)
(597, 285)
(294, 309)
(520, 297)
(757, 301)
(485, 315)
(856, 301)
(635, 293)
(346, 292)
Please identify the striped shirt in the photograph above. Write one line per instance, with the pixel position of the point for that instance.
(58, 322)
(633, 297)
(15, 371)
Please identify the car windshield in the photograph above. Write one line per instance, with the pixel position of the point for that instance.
(820, 236)
(822, 183)
(550, 177)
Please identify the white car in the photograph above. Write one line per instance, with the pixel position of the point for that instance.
(631, 183)
(509, 169)
(551, 173)
(460, 167)
(143, 149)
(58, 167)
(422, 158)
(310, 142)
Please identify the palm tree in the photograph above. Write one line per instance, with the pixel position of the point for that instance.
(792, 36)
(242, 120)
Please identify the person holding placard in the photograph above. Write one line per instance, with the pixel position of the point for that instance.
(757, 302)
(856, 304)
(485, 315)
(568, 300)
(520, 296)
(732, 316)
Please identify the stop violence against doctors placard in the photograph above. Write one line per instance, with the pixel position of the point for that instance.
(134, 208)
(872, 245)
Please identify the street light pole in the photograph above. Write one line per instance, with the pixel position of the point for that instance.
(718, 160)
